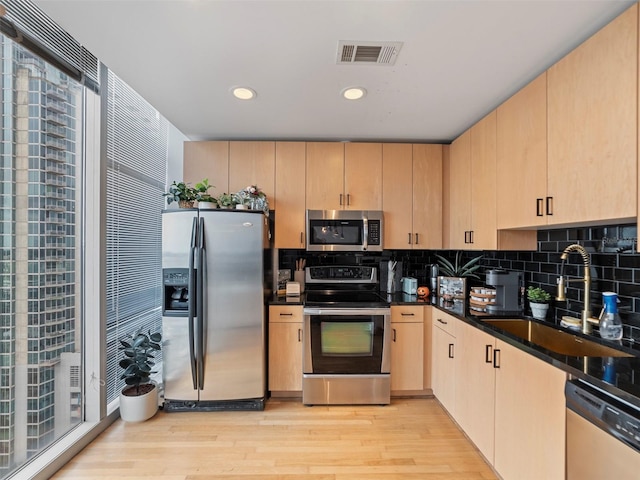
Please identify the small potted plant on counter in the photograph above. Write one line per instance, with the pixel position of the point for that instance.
(182, 193)
(538, 301)
(139, 398)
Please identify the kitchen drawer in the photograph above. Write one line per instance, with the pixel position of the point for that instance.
(407, 314)
(285, 314)
(445, 322)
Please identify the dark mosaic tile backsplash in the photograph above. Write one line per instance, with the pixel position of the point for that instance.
(615, 267)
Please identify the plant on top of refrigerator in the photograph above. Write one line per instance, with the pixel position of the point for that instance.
(181, 192)
(201, 191)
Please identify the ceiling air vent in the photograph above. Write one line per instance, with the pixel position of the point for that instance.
(369, 53)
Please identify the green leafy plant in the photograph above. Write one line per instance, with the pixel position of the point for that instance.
(201, 191)
(138, 359)
(180, 192)
(456, 269)
(226, 200)
(538, 295)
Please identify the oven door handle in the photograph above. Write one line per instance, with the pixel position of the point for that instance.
(347, 311)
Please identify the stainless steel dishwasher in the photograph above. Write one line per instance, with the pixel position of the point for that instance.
(603, 435)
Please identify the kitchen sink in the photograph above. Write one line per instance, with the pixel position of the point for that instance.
(555, 340)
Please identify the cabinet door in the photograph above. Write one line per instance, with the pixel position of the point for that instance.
(521, 162)
(407, 356)
(407, 347)
(285, 348)
(592, 126)
(325, 175)
(460, 192)
(289, 201)
(207, 160)
(427, 196)
(363, 176)
(443, 368)
(475, 383)
(529, 417)
(483, 234)
(397, 194)
(285, 357)
(252, 163)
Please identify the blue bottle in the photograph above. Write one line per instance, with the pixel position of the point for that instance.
(610, 323)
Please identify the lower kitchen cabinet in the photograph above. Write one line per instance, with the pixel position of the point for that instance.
(407, 348)
(443, 366)
(285, 348)
(529, 417)
(475, 386)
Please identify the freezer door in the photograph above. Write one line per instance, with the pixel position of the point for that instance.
(233, 331)
(176, 237)
(176, 367)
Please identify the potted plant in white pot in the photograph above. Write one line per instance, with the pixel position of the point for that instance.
(139, 397)
(204, 198)
(538, 301)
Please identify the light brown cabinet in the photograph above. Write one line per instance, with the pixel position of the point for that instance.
(412, 195)
(522, 199)
(475, 383)
(208, 160)
(472, 187)
(285, 348)
(252, 163)
(592, 99)
(443, 361)
(407, 348)
(289, 198)
(529, 416)
(344, 176)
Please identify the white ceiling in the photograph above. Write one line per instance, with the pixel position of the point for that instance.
(459, 60)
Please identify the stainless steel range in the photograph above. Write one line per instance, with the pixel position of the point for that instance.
(347, 338)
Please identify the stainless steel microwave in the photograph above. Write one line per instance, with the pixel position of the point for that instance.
(344, 230)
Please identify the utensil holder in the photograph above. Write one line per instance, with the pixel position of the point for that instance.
(298, 276)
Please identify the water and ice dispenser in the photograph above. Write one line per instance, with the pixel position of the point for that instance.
(175, 285)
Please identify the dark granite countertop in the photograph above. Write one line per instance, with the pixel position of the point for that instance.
(619, 376)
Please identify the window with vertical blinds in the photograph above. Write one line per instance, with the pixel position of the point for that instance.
(137, 151)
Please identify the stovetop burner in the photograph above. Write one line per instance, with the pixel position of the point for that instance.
(343, 287)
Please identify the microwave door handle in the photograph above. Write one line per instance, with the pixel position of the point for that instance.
(365, 227)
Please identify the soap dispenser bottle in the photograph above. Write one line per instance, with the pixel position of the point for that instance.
(610, 322)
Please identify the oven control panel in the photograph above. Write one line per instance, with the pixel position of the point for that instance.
(342, 274)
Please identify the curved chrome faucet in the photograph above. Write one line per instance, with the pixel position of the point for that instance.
(587, 319)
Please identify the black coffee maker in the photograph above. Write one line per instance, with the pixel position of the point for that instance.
(509, 290)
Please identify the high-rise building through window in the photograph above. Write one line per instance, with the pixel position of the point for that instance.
(40, 260)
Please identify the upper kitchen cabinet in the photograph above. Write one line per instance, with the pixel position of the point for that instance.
(592, 127)
(252, 163)
(522, 157)
(412, 196)
(344, 176)
(472, 187)
(460, 192)
(289, 202)
(207, 160)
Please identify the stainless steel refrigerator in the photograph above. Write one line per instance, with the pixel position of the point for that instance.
(213, 319)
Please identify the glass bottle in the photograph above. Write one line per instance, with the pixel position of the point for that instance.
(610, 323)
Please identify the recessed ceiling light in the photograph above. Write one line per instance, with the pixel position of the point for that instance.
(354, 93)
(243, 93)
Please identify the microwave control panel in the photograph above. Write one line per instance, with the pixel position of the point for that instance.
(374, 232)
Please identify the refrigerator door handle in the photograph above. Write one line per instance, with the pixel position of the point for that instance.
(201, 300)
(192, 300)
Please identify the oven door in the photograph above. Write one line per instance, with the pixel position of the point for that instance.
(350, 341)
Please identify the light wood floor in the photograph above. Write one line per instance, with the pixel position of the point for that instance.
(409, 439)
